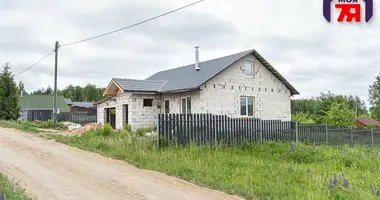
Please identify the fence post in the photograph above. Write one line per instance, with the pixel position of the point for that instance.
(352, 137)
(261, 130)
(296, 134)
(158, 130)
(373, 142)
(327, 135)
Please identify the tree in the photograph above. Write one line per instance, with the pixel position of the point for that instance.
(21, 88)
(302, 118)
(91, 92)
(43, 91)
(9, 96)
(374, 98)
(339, 116)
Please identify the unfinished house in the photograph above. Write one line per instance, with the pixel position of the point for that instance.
(238, 85)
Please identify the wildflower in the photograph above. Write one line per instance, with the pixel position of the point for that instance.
(321, 159)
(2, 197)
(342, 174)
(331, 183)
(371, 188)
(335, 181)
(345, 183)
(289, 169)
(292, 148)
(378, 193)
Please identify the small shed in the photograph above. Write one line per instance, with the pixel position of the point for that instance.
(40, 107)
(366, 123)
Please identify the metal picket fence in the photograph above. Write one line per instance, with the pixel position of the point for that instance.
(76, 117)
(208, 129)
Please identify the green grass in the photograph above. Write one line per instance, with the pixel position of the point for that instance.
(10, 190)
(251, 171)
(30, 126)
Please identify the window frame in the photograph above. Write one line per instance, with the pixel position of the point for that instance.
(247, 98)
(151, 102)
(166, 100)
(252, 69)
(187, 100)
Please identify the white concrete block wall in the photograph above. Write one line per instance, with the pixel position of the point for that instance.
(140, 116)
(225, 97)
(175, 101)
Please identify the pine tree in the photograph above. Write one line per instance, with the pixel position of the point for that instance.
(9, 96)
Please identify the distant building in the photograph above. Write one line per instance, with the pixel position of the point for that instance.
(40, 107)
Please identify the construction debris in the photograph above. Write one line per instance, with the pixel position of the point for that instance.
(87, 127)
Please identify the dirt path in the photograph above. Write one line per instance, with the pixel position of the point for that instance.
(50, 170)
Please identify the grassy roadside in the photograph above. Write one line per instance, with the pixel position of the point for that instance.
(263, 171)
(29, 126)
(11, 191)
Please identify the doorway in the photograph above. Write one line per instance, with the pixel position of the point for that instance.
(125, 115)
(110, 117)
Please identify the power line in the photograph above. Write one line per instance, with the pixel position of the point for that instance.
(133, 25)
(43, 58)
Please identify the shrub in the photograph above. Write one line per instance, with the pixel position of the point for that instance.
(128, 128)
(107, 130)
(143, 131)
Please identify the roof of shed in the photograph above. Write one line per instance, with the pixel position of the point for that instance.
(42, 102)
(83, 104)
(368, 121)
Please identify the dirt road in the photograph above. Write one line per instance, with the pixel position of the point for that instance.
(50, 170)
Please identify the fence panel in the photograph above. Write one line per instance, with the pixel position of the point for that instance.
(208, 129)
(315, 134)
(362, 137)
(338, 136)
(76, 117)
(376, 138)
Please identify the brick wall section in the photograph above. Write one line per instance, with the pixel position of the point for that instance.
(225, 97)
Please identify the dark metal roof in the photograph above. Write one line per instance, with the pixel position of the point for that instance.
(187, 78)
(83, 104)
(140, 85)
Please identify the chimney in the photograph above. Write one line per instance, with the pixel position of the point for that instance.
(197, 59)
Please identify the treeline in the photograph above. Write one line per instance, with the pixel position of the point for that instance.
(88, 93)
(331, 109)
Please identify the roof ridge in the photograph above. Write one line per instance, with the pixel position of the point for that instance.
(128, 79)
(206, 60)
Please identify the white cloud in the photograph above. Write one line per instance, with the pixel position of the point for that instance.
(315, 56)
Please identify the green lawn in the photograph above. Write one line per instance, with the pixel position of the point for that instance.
(259, 171)
(11, 191)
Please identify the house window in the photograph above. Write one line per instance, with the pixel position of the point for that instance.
(248, 69)
(148, 103)
(246, 106)
(186, 105)
(167, 106)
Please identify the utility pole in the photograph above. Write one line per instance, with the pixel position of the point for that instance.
(55, 83)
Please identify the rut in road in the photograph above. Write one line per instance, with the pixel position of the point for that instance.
(50, 170)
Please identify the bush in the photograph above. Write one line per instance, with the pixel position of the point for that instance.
(143, 131)
(107, 130)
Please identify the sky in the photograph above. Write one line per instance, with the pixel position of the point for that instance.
(313, 55)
